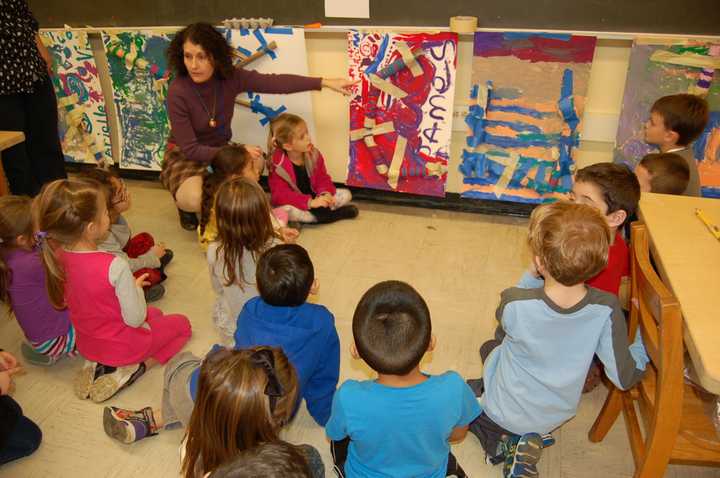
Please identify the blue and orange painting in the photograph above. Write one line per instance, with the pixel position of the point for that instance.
(525, 115)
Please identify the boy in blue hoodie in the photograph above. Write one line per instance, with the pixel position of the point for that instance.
(281, 317)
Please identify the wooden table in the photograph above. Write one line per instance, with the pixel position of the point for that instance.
(688, 259)
(8, 139)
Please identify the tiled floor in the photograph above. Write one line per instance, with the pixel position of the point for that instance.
(458, 262)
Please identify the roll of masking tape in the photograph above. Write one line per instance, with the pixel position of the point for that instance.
(463, 24)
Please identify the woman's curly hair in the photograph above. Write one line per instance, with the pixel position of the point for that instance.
(211, 40)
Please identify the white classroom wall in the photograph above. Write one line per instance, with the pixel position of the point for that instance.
(327, 57)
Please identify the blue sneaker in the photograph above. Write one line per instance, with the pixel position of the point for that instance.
(522, 455)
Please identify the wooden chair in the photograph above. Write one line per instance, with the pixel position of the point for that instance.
(676, 427)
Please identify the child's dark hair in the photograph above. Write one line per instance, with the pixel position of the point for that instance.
(685, 114)
(243, 219)
(104, 178)
(619, 186)
(285, 275)
(669, 172)
(232, 159)
(276, 459)
(15, 221)
(211, 40)
(392, 328)
(62, 210)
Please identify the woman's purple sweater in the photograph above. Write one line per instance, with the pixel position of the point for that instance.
(189, 121)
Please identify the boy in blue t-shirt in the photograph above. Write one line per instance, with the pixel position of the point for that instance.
(402, 423)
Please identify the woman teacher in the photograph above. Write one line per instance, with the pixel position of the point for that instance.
(201, 103)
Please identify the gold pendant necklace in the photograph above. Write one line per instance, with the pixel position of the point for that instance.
(212, 123)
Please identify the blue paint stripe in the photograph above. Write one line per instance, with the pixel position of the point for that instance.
(519, 110)
(244, 51)
(372, 68)
(279, 30)
(514, 126)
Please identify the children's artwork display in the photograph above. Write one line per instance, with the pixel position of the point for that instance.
(268, 50)
(660, 67)
(525, 115)
(82, 117)
(401, 110)
(140, 78)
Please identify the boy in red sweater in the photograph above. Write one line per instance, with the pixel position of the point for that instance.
(615, 191)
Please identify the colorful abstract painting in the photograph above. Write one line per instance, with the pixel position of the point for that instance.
(140, 78)
(666, 67)
(269, 50)
(525, 115)
(82, 118)
(401, 110)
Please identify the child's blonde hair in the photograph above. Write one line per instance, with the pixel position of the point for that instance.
(62, 210)
(282, 131)
(242, 212)
(571, 240)
(244, 398)
(15, 221)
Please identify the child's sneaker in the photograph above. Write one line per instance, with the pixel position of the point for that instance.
(84, 380)
(112, 380)
(166, 258)
(34, 357)
(128, 426)
(522, 455)
(154, 293)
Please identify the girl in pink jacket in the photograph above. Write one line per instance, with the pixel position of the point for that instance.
(299, 182)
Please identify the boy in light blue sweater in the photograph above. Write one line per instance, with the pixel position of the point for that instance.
(549, 330)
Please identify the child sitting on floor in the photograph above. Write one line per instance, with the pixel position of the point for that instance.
(244, 398)
(119, 336)
(270, 460)
(402, 423)
(299, 182)
(663, 173)
(529, 388)
(48, 331)
(244, 232)
(140, 251)
(282, 317)
(231, 161)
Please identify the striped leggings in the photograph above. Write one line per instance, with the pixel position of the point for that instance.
(57, 347)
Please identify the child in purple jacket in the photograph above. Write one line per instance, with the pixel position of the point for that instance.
(299, 182)
(48, 331)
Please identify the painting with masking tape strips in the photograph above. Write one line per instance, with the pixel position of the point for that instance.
(401, 110)
(660, 67)
(140, 79)
(269, 50)
(82, 117)
(525, 117)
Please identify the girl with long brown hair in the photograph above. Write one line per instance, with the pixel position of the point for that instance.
(245, 231)
(115, 330)
(233, 160)
(244, 398)
(49, 333)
